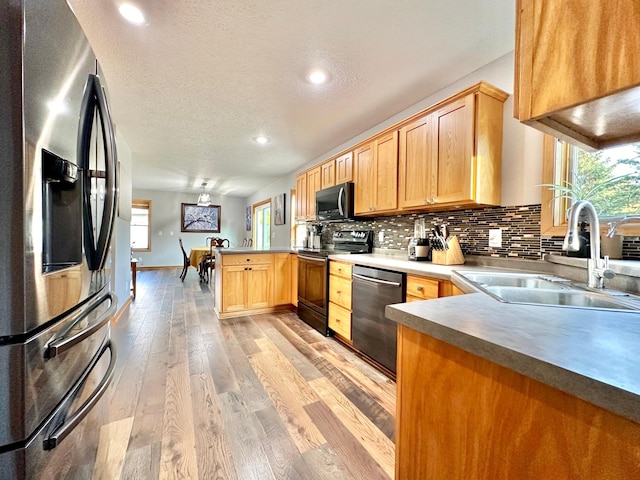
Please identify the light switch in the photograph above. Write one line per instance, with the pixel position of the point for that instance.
(381, 236)
(495, 237)
(159, 233)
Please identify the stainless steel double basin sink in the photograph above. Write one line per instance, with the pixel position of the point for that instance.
(541, 289)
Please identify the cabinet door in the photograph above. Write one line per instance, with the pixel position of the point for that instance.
(364, 179)
(281, 278)
(258, 278)
(313, 185)
(233, 288)
(344, 168)
(417, 163)
(301, 197)
(386, 168)
(578, 69)
(328, 174)
(454, 127)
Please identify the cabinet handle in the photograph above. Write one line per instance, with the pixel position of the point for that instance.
(338, 292)
(420, 288)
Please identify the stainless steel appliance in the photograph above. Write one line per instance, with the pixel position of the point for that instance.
(313, 275)
(57, 205)
(335, 204)
(372, 333)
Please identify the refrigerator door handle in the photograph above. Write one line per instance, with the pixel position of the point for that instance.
(95, 100)
(70, 423)
(62, 343)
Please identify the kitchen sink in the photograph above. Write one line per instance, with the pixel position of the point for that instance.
(541, 289)
(577, 298)
(521, 280)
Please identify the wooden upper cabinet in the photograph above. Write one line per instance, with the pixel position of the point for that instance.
(417, 163)
(328, 174)
(344, 168)
(453, 127)
(577, 70)
(452, 155)
(376, 175)
(301, 196)
(314, 184)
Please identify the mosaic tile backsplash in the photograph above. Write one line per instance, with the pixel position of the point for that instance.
(520, 227)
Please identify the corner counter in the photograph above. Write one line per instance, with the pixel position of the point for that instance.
(494, 390)
(250, 281)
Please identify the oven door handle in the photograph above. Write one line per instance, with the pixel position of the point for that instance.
(375, 280)
(313, 259)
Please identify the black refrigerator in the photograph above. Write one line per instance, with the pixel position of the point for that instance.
(58, 193)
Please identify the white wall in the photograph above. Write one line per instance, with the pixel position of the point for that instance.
(166, 210)
(120, 251)
(280, 234)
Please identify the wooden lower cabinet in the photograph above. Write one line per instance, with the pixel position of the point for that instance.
(461, 416)
(340, 320)
(425, 288)
(340, 298)
(246, 287)
(253, 283)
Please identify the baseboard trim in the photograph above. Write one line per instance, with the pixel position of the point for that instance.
(123, 309)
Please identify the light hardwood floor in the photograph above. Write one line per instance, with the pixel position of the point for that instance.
(257, 397)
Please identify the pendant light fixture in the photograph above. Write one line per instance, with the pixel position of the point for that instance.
(204, 200)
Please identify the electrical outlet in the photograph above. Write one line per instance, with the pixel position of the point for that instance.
(381, 236)
(495, 237)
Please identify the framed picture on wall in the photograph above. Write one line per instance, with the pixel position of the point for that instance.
(198, 219)
(248, 218)
(278, 209)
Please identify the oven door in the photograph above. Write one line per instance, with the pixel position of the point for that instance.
(312, 291)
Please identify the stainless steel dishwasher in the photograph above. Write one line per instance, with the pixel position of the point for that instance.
(372, 333)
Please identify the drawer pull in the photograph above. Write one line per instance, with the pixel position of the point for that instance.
(420, 288)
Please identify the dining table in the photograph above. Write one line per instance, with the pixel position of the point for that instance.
(196, 256)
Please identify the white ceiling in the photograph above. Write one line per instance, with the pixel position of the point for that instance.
(191, 89)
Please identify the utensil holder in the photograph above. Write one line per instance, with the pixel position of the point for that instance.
(452, 256)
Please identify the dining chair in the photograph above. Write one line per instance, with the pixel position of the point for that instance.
(185, 261)
(208, 262)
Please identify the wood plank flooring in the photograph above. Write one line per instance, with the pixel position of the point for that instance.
(259, 397)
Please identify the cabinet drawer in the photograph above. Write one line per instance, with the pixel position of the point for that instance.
(421, 288)
(249, 259)
(340, 269)
(340, 320)
(340, 291)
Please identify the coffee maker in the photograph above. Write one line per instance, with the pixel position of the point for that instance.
(314, 233)
(419, 247)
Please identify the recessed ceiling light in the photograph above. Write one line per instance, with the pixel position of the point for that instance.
(318, 77)
(261, 139)
(132, 14)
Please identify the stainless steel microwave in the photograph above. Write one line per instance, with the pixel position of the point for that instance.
(335, 204)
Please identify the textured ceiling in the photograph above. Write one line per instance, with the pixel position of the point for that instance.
(192, 88)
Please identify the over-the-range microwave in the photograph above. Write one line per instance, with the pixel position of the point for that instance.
(335, 204)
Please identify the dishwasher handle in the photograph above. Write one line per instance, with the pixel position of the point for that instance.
(376, 280)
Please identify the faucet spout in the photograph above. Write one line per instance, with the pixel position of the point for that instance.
(597, 269)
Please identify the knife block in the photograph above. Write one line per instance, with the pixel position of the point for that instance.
(452, 256)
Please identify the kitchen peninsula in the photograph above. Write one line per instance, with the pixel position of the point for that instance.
(495, 390)
(248, 281)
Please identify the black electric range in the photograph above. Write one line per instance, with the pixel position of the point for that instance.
(313, 275)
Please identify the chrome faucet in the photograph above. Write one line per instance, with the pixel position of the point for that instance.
(598, 269)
